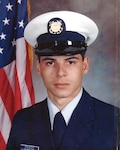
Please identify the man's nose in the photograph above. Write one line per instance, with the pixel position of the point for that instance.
(61, 70)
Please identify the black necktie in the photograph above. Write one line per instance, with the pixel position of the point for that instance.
(58, 128)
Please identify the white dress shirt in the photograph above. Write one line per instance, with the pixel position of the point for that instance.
(66, 112)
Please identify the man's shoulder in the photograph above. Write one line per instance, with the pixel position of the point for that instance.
(32, 110)
(104, 105)
(97, 100)
(100, 105)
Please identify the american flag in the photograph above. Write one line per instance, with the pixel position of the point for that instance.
(16, 89)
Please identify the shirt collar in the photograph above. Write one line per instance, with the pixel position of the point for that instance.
(66, 112)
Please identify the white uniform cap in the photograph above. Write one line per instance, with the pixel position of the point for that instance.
(48, 29)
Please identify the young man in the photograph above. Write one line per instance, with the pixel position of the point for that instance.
(60, 40)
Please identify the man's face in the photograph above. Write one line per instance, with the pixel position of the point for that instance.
(62, 75)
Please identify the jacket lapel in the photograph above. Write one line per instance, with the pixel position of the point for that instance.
(81, 124)
(41, 126)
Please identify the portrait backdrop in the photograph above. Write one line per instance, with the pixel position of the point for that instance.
(103, 79)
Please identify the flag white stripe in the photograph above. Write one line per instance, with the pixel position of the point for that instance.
(9, 70)
(5, 122)
(21, 65)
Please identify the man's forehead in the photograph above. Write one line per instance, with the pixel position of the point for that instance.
(64, 57)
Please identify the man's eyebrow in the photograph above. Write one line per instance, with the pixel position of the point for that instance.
(47, 58)
(72, 57)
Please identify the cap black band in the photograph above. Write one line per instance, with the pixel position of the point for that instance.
(61, 48)
(62, 44)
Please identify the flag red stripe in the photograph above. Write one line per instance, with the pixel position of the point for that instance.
(8, 99)
(5, 122)
(17, 95)
(2, 142)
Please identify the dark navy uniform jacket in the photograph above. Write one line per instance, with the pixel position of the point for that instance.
(94, 125)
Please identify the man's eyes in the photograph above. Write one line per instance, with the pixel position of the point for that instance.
(71, 62)
(49, 63)
(66, 62)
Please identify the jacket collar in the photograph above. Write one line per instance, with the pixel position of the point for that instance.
(81, 123)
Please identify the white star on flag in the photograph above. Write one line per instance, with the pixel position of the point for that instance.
(21, 24)
(6, 21)
(2, 36)
(1, 50)
(19, 1)
(13, 42)
(9, 7)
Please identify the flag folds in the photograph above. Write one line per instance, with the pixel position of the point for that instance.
(16, 89)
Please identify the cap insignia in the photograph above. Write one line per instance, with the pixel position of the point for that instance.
(56, 26)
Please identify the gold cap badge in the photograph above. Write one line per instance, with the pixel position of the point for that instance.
(56, 26)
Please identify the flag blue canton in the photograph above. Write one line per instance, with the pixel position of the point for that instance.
(13, 19)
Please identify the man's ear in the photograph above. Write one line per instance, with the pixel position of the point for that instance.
(86, 64)
(38, 67)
